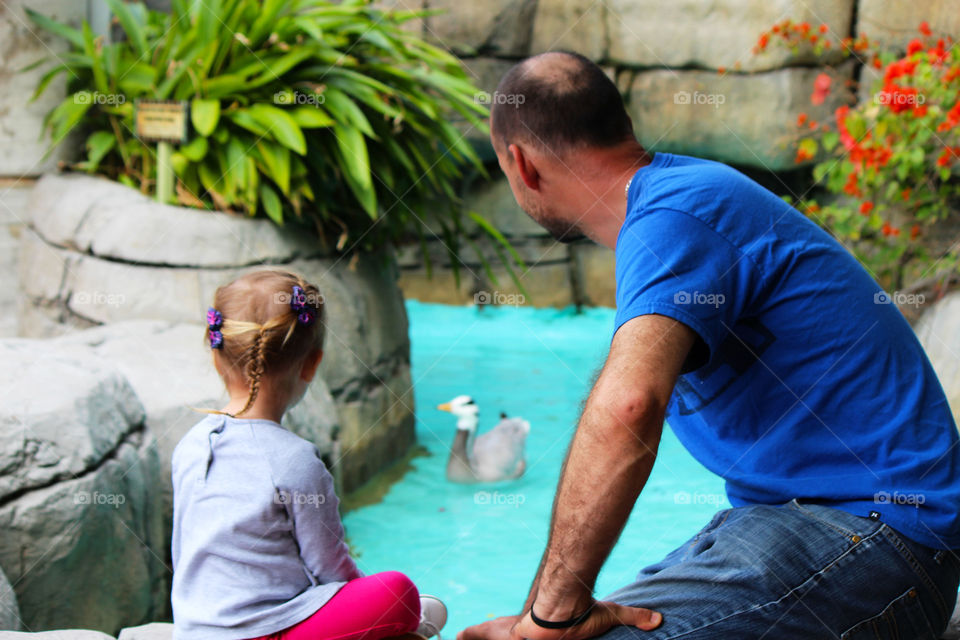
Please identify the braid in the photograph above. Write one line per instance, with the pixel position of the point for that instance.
(255, 368)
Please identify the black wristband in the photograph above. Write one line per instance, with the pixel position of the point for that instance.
(564, 624)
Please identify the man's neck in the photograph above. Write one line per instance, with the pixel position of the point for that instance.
(605, 200)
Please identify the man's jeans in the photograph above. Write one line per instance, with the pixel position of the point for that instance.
(796, 571)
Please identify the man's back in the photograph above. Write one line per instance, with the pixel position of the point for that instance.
(810, 383)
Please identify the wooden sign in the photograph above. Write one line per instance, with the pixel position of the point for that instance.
(161, 120)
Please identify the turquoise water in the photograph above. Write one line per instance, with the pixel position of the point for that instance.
(478, 546)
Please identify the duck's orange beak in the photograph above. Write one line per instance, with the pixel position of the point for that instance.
(444, 407)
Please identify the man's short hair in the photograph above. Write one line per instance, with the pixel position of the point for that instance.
(559, 100)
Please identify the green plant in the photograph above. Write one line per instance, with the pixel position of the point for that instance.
(328, 114)
(889, 165)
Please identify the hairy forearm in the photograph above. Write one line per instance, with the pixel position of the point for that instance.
(607, 466)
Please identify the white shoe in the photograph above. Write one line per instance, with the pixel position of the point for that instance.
(433, 615)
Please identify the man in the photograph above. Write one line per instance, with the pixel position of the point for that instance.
(780, 365)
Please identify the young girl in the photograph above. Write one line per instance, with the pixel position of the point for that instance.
(258, 548)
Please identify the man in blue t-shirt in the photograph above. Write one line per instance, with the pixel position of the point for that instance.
(777, 361)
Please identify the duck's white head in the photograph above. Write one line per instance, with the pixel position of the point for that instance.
(465, 409)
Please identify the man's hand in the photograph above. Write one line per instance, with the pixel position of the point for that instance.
(605, 616)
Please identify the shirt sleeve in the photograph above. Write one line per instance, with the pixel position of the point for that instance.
(314, 507)
(671, 263)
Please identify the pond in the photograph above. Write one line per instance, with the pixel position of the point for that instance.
(477, 546)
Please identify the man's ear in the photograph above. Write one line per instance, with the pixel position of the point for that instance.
(528, 172)
(309, 368)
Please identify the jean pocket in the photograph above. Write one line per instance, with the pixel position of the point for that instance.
(902, 619)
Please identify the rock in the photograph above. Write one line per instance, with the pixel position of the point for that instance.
(78, 499)
(953, 627)
(152, 631)
(494, 27)
(939, 333)
(21, 43)
(894, 23)
(59, 634)
(94, 215)
(440, 286)
(9, 610)
(546, 285)
(742, 119)
(571, 25)
(13, 199)
(595, 274)
(711, 34)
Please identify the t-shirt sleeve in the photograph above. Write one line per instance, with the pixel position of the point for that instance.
(314, 507)
(673, 264)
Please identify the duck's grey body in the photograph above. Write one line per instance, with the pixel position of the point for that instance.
(489, 457)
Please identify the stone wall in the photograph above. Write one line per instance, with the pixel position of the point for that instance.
(691, 84)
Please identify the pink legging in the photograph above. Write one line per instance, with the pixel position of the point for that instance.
(371, 608)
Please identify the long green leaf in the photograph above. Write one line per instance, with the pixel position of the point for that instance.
(281, 125)
(205, 115)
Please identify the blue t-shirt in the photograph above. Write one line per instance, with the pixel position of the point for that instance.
(806, 382)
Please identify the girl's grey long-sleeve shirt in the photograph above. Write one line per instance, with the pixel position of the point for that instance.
(257, 539)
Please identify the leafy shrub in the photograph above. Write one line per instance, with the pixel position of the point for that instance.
(328, 114)
(889, 164)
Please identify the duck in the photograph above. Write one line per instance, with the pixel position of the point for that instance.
(498, 454)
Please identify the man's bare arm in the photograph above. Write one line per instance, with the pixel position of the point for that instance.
(609, 460)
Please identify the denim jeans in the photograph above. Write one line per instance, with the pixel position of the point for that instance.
(795, 571)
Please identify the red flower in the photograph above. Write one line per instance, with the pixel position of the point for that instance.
(813, 124)
(898, 98)
(952, 119)
(802, 156)
(895, 231)
(763, 41)
(914, 231)
(920, 110)
(801, 119)
(821, 89)
(824, 28)
(905, 194)
(877, 63)
(925, 28)
(887, 229)
(944, 159)
(866, 208)
(804, 28)
(899, 68)
(914, 46)
(851, 187)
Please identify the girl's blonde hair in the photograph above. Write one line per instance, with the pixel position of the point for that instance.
(261, 330)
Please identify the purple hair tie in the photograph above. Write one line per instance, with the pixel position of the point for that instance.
(214, 324)
(298, 302)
